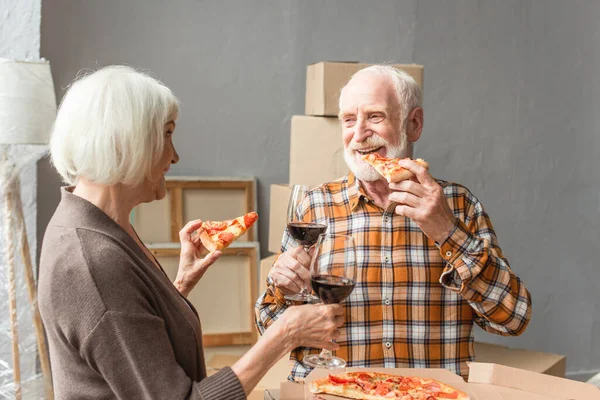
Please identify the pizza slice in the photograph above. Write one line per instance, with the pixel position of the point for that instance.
(389, 168)
(380, 386)
(217, 235)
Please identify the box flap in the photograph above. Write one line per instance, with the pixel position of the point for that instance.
(491, 392)
(532, 382)
(545, 363)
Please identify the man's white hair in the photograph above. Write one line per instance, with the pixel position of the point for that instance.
(407, 89)
(110, 127)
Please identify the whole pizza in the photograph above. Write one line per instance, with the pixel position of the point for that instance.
(380, 386)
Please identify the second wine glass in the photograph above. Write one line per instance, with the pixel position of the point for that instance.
(333, 276)
(305, 230)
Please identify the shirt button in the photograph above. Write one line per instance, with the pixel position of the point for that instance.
(386, 219)
(387, 258)
(387, 302)
(448, 254)
(388, 344)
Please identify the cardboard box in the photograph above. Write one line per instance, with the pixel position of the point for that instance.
(280, 195)
(486, 382)
(316, 150)
(265, 266)
(498, 382)
(325, 80)
(535, 361)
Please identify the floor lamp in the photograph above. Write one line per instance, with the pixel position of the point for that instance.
(27, 112)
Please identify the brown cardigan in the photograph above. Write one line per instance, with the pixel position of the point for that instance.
(117, 327)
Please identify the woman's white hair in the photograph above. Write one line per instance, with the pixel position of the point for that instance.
(407, 89)
(110, 127)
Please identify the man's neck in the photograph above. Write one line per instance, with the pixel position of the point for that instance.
(116, 201)
(378, 191)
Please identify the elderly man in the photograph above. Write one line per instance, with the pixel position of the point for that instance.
(429, 263)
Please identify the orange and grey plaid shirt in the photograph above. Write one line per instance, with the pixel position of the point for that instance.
(415, 300)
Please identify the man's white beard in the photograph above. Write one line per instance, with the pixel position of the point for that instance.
(362, 169)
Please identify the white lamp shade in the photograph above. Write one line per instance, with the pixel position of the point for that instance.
(27, 102)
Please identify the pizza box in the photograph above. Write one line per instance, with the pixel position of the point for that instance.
(498, 382)
(300, 391)
(324, 81)
(280, 195)
(316, 150)
(536, 361)
(486, 381)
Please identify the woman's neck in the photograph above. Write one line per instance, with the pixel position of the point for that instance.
(116, 201)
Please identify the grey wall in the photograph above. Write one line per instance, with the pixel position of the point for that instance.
(512, 111)
(238, 67)
(509, 106)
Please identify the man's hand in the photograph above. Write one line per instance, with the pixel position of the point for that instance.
(290, 273)
(192, 265)
(423, 201)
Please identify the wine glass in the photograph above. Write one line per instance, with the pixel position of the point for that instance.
(305, 233)
(333, 276)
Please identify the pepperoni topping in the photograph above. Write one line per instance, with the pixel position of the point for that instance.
(382, 388)
(214, 226)
(338, 380)
(444, 395)
(250, 218)
(226, 236)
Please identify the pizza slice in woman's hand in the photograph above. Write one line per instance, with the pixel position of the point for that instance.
(217, 235)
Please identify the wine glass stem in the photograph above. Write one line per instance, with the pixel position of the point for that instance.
(325, 355)
(304, 290)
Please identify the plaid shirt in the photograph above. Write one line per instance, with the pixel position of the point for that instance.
(415, 300)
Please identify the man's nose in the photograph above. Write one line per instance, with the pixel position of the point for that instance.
(361, 131)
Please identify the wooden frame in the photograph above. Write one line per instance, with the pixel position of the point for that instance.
(247, 249)
(189, 198)
(177, 185)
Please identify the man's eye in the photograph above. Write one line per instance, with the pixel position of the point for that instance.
(376, 118)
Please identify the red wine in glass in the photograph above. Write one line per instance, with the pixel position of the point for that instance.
(333, 277)
(306, 233)
(332, 289)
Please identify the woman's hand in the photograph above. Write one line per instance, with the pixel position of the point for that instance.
(191, 266)
(312, 325)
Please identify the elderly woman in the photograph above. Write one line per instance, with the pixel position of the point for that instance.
(117, 327)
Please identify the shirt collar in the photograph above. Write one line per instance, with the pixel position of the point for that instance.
(356, 193)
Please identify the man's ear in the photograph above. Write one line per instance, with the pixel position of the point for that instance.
(414, 124)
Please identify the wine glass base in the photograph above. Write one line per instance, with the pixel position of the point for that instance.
(316, 361)
(302, 297)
